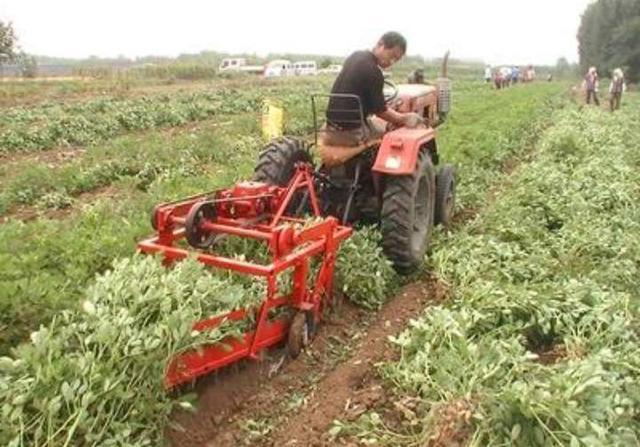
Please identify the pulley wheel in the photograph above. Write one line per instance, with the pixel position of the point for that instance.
(196, 236)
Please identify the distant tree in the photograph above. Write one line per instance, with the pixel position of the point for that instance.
(609, 37)
(8, 42)
(325, 62)
(563, 67)
(28, 65)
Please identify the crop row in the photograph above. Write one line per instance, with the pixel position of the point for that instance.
(78, 124)
(538, 344)
(142, 157)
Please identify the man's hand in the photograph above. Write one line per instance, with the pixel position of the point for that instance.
(412, 120)
(398, 119)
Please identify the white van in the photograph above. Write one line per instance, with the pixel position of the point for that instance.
(232, 64)
(279, 67)
(239, 64)
(304, 68)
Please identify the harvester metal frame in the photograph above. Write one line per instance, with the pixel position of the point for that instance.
(257, 211)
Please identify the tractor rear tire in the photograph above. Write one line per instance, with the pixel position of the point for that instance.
(445, 196)
(276, 163)
(407, 215)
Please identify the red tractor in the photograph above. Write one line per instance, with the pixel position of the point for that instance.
(392, 181)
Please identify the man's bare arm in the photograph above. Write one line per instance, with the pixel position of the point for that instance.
(393, 117)
(398, 119)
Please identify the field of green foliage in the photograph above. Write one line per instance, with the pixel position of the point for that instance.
(538, 343)
(547, 264)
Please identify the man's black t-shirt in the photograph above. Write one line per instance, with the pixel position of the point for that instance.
(360, 76)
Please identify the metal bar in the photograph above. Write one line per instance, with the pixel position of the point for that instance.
(312, 249)
(352, 192)
(293, 185)
(235, 231)
(261, 320)
(314, 198)
(174, 253)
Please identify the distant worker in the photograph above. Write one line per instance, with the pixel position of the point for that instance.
(515, 74)
(505, 72)
(591, 86)
(497, 79)
(616, 88)
(361, 75)
(416, 76)
(529, 74)
(487, 73)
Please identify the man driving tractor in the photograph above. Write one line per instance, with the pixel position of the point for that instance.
(379, 157)
(344, 134)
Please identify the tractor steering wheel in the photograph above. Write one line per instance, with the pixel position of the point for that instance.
(390, 91)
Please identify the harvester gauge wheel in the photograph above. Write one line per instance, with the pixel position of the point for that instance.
(154, 221)
(196, 236)
(298, 334)
(445, 196)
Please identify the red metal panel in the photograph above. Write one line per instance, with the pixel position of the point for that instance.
(189, 365)
(399, 150)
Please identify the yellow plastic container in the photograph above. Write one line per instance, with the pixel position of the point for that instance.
(272, 120)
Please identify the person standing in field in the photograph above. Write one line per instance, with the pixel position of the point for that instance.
(616, 88)
(515, 74)
(529, 74)
(497, 79)
(505, 73)
(591, 86)
(487, 73)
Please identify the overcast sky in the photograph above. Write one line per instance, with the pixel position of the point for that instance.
(496, 31)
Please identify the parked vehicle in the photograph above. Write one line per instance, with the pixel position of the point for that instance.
(239, 64)
(305, 68)
(279, 67)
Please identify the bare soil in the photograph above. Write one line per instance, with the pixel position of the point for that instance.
(51, 157)
(548, 355)
(26, 213)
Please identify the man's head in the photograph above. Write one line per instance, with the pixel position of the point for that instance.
(390, 49)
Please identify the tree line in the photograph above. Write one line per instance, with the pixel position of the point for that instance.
(609, 37)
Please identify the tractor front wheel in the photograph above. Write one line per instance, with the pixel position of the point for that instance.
(445, 196)
(407, 215)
